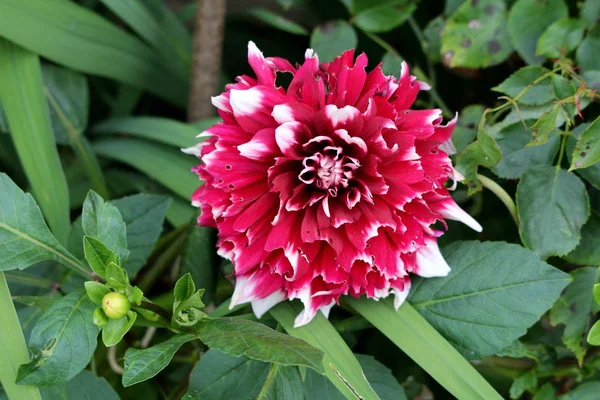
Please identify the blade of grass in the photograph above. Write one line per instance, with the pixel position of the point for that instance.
(78, 38)
(341, 366)
(421, 342)
(22, 96)
(13, 349)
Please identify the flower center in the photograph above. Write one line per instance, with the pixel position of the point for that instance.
(328, 170)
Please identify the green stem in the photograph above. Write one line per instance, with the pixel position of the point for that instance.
(23, 278)
(13, 349)
(163, 262)
(563, 143)
(421, 342)
(265, 389)
(502, 195)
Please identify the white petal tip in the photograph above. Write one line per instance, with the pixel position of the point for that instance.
(194, 150)
(261, 306)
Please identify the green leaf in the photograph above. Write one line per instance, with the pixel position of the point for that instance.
(381, 378)
(553, 205)
(544, 126)
(277, 21)
(540, 93)
(319, 387)
(562, 37)
(585, 391)
(596, 291)
(189, 312)
(590, 12)
(433, 38)
(587, 251)
(100, 319)
(421, 342)
(392, 64)
(465, 130)
(341, 366)
(546, 392)
(115, 329)
(587, 149)
(41, 302)
(485, 152)
(31, 131)
(200, 260)
(385, 16)
(102, 220)
(283, 383)
(586, 55)
(593, 337)
(475, 35)
(222, 376)
(527, 382)
(527, 20)
(162, 130)
(24, 236)
(591, 173)
(332, 38)
(511, 286)
(96, 47)
(98, 255)
(143, 364)
(259, 342)
(85, 385)
(62, 342)
(574, 307)
(143, 215)
(160, 163)
(184, 288)
(96, 291)
(517, 157)
(116, 277)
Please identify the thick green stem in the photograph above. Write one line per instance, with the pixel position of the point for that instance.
(13, 349)
(502, 195)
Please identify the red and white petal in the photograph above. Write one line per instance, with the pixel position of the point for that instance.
(261, 68)
(430, 262)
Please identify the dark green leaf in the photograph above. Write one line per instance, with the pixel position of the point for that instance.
(591, 173)
(98, 255)
(115, 329)
(381, 378)
(96, 291)
(590, 12)
(433, 38)
(587, 149)
(541, 93)
(562, 37)
(332, 38)
(544, 126)
(525, 383)
(62, 342)
(277, 21)
(546, 392)
(222, 376)
(143, 364)
(587, 251)
(587, 52)
(475, 35)
(510, 285)
(585, 391)
(553, 206)
(527, 20)
(384, 17)
(318, 387)
(392, 64)
(84, 386)
(283, 383)
(200, 260)
(465, 130)
(485, 152)
(257, 341)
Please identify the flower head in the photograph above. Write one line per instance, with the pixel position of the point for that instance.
(327, 187)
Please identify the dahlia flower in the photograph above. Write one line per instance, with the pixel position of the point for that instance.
(328, 187)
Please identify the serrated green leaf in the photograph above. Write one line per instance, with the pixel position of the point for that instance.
(96, 291)
(527, 21)
(24, 236)
(511, 286)
(184, 288)
(98, 255)
(277, 21)
(544, 126)
(587, 251)
(525, 383)
(540, 93)
(485, 152)
(259, 342)
(517, 349)
(85, 385)
(62, 342)
(283, 383)
(115, 329)
(384, 16)
(563, 36)
(587, 149)
(332, 38)
(591, 173)
(143, 364)
(475, 35)
(222, 376)
(553, 205)
(573, 309)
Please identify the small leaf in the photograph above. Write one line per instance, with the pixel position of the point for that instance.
(544, 126)
(103, 221)
(587, 251)
(115, 329)
(135, 295)
(385, 17)
(591, 173)
(562, 37)
(525, 383)
(277, 21)
(259, 342)
(553, 206)
(143, 364)
(594, 334)
(116, 277)
(332, 38)
(587, 149)
(99, 318)
(98, 255)
(62, 342)
(527, 20)
(546, 392)
(485, 152)
(96, 291)
(184, 288)
(189, 312)
(85, 385)
(540, 93)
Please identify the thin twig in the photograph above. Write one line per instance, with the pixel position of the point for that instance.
(111, 357)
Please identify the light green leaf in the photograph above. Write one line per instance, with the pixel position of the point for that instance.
(24, 236)
(259, 342)
(385, 16)
(527, 20)
(222, 376)
(517, 157)
(563, 36)
(475, 35)
(116, 277)
(96, 47)
(283, 383)
(31, 131)
(200, 260)
(525, 383)
(587, 251)
(544, 126)
(587, 149)
(102, 220)
(332, 38)
(184, 288)
(485, 152)
(593, 337)
(98, 255)
(591, 173)
(553, 205)
(277, 21)
(341, 367)
(143, 364)
(586, 55)
(546, 392)
(62, 342)
(84, 386)
(115, 329)
(574, 307)
(511, 286)
(96, 291)
(189, 312)
(540, 93)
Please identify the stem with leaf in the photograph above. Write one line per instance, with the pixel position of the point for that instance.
(502, 195)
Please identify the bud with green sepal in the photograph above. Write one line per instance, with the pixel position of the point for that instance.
(188, 305)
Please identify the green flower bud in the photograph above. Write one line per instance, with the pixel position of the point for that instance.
(115, 305)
